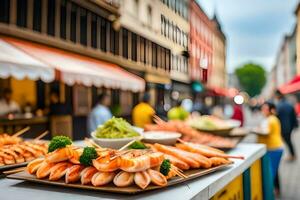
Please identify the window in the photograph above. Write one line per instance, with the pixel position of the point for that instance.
(154, 54)
(73, 23)
(142, 50)
(148, 50)
(63, 19)
(134, 47)
(22, 13)
(125, 43)
(168, 60)
(163, 23)
(149, 15)
(136, 7)
(103, 34)
(158, 56)
(94, 31)
(4, 11)
(83, 26)
(114, 41)
(163, 58)
(51, 18)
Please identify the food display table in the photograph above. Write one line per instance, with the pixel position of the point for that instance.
(245, 179)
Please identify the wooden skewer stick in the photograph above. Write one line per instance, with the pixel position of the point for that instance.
(130, 143)
(41, 135)
(20, 132)
(176, 170)
(92, 143)
(8, 172)
(121, 150)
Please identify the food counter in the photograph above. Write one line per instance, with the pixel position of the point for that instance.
(11, 125)
(234, 181)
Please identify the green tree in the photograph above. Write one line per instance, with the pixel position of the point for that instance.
(252, 78)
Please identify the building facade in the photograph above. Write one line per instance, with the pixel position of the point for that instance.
(92, 29)
(217, 72)
(201, 43)
(285, 66)
(166, 24)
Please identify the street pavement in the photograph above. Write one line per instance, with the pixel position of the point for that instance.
(289, 171)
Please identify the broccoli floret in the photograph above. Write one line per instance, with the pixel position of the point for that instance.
(165, 167)
(59, 142)
(89, 153)
(137, 145)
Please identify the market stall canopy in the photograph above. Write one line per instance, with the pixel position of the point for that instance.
(292, 86)
(74, 68)
(216, 91)
(16, 63)
(225, 92)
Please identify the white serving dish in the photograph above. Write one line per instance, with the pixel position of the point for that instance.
(115, 143)
(161, 137)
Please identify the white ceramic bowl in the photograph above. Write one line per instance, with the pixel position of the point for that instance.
(161, 137)
(115, 143)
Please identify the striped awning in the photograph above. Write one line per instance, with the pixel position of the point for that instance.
(15, 62)
(73, 68)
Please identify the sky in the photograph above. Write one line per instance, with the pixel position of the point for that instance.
(254, 28)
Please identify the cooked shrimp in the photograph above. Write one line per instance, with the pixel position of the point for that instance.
(7, 159)
(156, 158)
(73, 173)
(28, 156)
(34, 152)
(76, 155)
(142, 179)
(44, 169)
(104, 163)
(1, 161)
(177, 162)
(87, 175)
(123, 179)
(216, 161)
(157, 178)
(192, 159)
(135, 161)
(59, 155)
(59, 170)
(34, 165)
(102, 178)
(208, 152)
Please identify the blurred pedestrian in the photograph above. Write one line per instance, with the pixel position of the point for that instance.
(100, 113)
(143, 112)
(56, 107)
(271, 137)
(288, 120)
(200, 107)
(178, 112)
(7, 105)
(238, 113)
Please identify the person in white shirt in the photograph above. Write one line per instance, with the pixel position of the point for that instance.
(7, 105)
(100, 112)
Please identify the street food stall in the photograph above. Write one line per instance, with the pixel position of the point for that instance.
(41, 70)
(121, 161)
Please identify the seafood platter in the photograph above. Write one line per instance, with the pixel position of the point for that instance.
(17, 152)
(190, 134)
(133, 168)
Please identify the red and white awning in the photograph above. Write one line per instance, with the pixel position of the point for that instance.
(14, 62)
(292, 86)
(74, 68)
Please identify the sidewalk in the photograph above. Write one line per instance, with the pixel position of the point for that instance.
(290, 173)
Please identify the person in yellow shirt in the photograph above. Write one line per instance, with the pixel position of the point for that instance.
(271, 137)
(143, 113)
